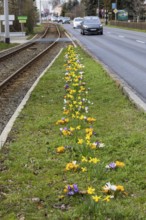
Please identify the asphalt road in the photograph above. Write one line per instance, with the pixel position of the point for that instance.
(122, 51)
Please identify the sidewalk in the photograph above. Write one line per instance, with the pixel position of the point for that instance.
(16, 37)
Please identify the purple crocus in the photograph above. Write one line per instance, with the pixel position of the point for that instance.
(112, 165)
(71, 193)
(75, 187)
(66, 86)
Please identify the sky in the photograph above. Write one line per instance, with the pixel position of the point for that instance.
(43, 3)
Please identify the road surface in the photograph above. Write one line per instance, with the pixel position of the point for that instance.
(122, 51)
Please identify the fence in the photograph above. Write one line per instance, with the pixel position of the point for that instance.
(134, 25)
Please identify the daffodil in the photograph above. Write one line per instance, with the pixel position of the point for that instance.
(72, 166)
(84, 159)
(96, 198)
(60, 149)
(83, 169)
(120, 188)
(107, 198)
(90, 190)
(119, 164)
(93, 160)
(78, 127)
(80, 141)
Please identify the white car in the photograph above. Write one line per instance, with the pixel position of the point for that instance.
(77, 22)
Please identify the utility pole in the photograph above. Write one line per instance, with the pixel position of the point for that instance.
(116, 12)
(98, 9)
(40, 12)
(6, 15)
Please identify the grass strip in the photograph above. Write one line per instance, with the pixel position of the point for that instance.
(4, 46)
(33, 175)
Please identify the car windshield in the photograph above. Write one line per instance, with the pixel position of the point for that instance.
(92, 21)
(78, 19)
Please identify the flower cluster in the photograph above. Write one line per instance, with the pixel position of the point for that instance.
(108, 188)
(71, 189)
(90, 160)
(80, 128)
(62, 121)
(113, 165)
(72, 166)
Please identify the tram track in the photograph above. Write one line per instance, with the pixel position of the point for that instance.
(15, 86)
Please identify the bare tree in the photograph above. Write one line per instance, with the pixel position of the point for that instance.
(138, 7)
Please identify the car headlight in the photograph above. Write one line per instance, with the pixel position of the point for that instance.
(85, 26)
(100, 25)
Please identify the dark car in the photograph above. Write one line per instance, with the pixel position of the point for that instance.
(91, 25)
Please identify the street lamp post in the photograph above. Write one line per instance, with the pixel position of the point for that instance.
(98, 9)
(116, 12)
(40, 13)
(6, 15)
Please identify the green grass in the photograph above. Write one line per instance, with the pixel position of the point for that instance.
(37, 29)
(4, 46)
(126, 28)
(33, 174)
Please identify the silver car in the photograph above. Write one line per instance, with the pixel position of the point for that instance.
(77, 22)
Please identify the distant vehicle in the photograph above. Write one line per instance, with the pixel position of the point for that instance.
(91, 25)
(54, 18)
(60, 18)
(77, 22)
(66, 20)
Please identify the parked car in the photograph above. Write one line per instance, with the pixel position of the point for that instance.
(54, 18)
(66, 20)
(60, 18)
(91, 25)
(77, 22)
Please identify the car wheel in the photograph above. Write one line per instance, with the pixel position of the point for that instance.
(101, 33)
(83, 32)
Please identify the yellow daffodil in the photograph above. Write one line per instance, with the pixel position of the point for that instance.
(78, 127)
(72, 129)
(84, 159)
(84, 169)
(72, 166)
(80, 141)
(107, 198)
(90, 190)
(120, 188)
(120, 164)
(81, 117)
(93, 146)
(96, 198)
(60, 149)
(93, 160)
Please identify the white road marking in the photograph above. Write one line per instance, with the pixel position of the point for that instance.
(139, 41)
(121, 36)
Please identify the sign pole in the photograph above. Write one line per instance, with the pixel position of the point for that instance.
(6, 13)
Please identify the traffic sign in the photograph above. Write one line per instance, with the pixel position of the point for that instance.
(22, 21)
(11, 17)
(22, 17)
(10, 22)
(115, 11)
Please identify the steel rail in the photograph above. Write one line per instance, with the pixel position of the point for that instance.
(26, 45)
(7, 80)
